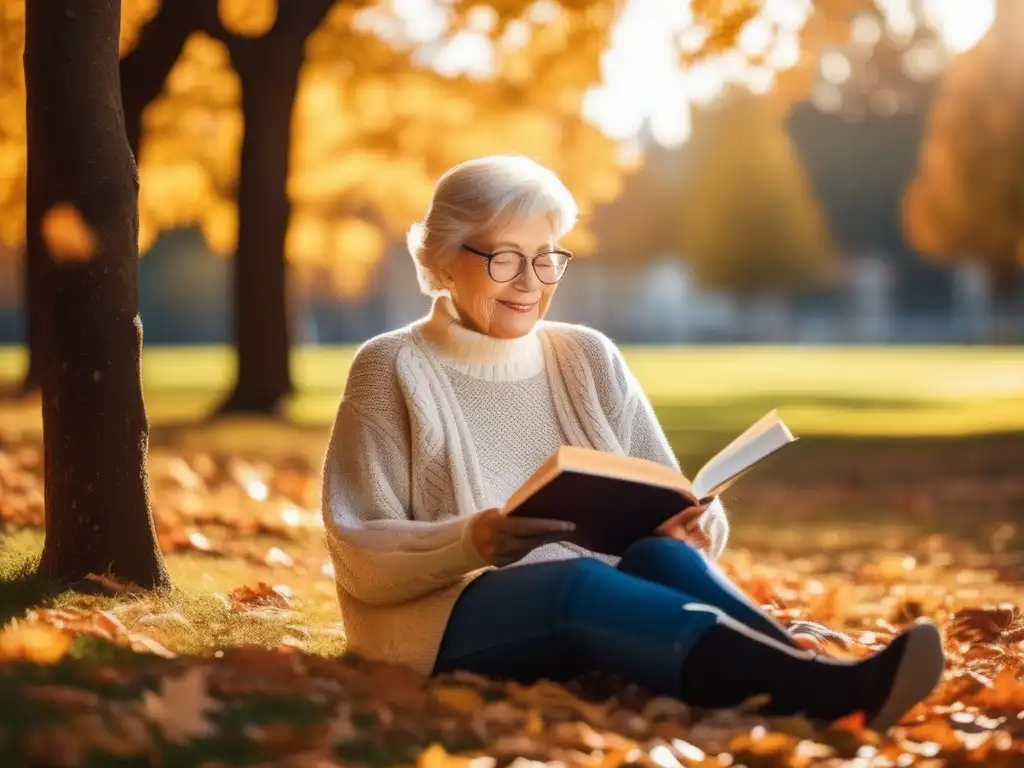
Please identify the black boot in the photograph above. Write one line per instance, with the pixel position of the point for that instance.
(732, 663)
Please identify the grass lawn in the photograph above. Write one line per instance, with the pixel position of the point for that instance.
(903, 495)
(913, 391)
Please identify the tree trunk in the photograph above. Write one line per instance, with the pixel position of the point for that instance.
(143, 73)
(95, 429)
(1005, 279)
(261, 329)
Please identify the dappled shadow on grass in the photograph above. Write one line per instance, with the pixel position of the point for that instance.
(22, 592)
(21, 586)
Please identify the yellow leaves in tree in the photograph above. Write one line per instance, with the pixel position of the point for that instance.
(248, 18)
(356, 248)
(134, 16)
(68, 237)
(959, 204)
(188, 161)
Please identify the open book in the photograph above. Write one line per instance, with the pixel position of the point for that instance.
(615, 500)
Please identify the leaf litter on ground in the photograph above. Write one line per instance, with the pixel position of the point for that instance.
(243, 665)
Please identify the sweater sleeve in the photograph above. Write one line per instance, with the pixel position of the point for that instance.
(381, 555)
(641, 435)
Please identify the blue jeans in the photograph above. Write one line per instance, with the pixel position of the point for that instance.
(560, 619)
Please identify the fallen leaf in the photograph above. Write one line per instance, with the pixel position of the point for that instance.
(114, 585)
(262, 595)
(464, 700)
(180, 708)
(31, 641)
(1004, 694)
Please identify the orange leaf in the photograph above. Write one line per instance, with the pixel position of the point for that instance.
(1006, 693)
(262, 594)
(850, 724)
(67, 236)
(33, 642)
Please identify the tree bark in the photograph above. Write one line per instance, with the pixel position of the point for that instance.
(95, 428)
(268, 68)
(269, 76)
(143, 74)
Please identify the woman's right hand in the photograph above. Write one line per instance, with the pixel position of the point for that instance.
(503, 539)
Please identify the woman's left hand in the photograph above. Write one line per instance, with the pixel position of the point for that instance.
(685, 526)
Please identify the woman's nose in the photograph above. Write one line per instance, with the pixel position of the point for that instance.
(528, 279)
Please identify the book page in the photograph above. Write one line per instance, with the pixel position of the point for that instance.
(758, 441)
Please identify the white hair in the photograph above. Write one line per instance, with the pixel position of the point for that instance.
(479, 197)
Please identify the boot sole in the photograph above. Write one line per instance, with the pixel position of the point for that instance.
(919, 672)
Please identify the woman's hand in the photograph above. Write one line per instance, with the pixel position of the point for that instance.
(685, 526)
(502, 539)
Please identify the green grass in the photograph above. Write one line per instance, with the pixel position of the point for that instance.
(913, 391)
(194, 618)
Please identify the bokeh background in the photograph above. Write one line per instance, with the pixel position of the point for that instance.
(811, 206)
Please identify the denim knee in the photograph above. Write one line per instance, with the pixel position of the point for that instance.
(652, 553)
(575, 577)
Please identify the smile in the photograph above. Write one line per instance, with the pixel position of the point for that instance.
(524, 308)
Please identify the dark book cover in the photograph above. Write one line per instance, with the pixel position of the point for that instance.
(610, 513)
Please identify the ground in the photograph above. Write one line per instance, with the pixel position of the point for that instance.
(901, 499)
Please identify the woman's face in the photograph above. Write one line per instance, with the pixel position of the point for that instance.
(503, 310)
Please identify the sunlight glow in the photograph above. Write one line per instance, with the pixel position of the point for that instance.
(643, 84)
(643, 87)
(835, 67)
(961, 23)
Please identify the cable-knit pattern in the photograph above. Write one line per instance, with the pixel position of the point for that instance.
(432, 499)
(403, 475)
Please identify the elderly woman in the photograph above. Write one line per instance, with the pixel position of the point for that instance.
(441, 422)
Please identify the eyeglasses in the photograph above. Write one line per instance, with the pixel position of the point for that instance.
(506, 265)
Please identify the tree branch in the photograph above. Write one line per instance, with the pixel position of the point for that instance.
(300, 18)
(144, 70)
(208, 21)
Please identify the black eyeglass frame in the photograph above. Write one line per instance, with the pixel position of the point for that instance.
(523, 259)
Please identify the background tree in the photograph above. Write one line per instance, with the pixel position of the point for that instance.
(144, 69)
(749, 222)
(381, 111)
(967, 199)
(353, 159)
(83, 189)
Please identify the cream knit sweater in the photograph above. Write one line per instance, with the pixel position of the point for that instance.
(438, 423)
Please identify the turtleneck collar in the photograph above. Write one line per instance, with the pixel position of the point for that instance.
(477, 354)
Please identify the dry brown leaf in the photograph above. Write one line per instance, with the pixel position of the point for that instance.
(62, 694)
(262, 595)
(68, 237)
(464, 700)
(549, 695)
(1004, 694)
(982, 625)
(114, 585)
(180, 708)
(145, 644)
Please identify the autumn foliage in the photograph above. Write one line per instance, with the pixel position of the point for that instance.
(966, 200)
(256, 679)
(373, 126)
(748, 221)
